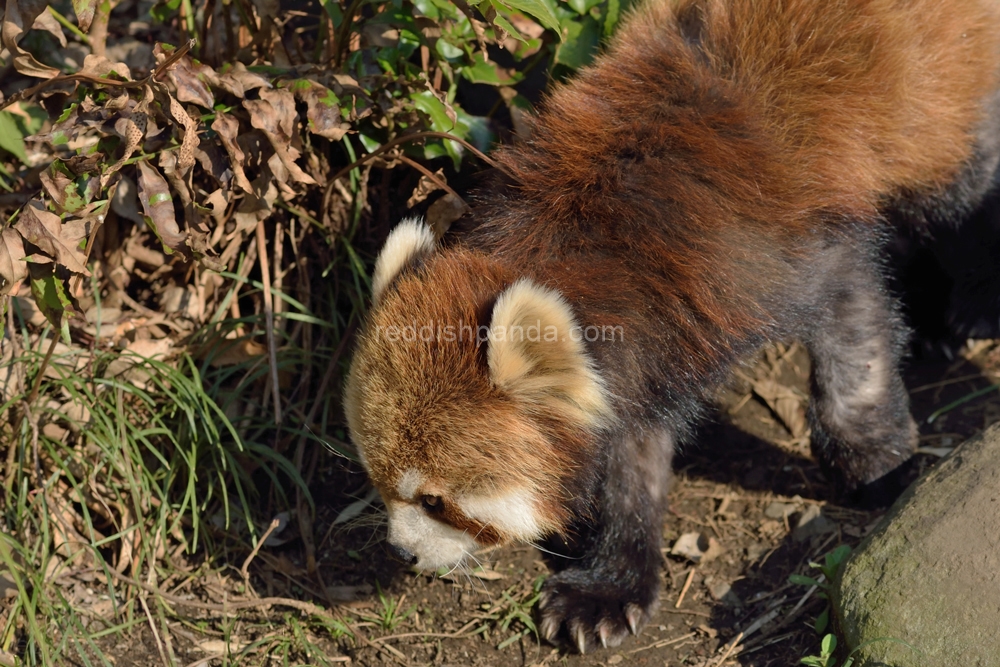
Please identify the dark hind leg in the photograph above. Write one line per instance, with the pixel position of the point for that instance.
(862, 431)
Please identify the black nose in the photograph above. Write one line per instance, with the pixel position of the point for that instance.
(399, 553)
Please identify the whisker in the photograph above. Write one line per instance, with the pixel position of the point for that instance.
(553, 553)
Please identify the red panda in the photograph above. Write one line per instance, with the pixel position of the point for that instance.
(722, 176)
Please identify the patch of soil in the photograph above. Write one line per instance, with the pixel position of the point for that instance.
(747, 482)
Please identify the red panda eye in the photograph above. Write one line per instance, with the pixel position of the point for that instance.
(431, 503)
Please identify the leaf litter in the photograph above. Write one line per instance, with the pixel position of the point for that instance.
(162, 198)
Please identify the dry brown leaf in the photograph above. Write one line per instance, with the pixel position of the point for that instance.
(20, 15)
(446, 210)
(213, 161)
(274, 114)
(322, 110)
(425, 187)
(47, 22)
(185, 156)
(787, 404)
(697, 547)
(132, 127)
(158, 208)
(101, 66)
(238, 352)
(190, 79)
(59, 241)
(237, 79)
(84, 13)
(13, 268)
(228, 128)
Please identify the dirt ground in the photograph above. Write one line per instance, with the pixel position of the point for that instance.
(743, 488)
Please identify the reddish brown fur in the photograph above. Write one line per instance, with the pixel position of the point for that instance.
(718, 179)
(748, 142)
(746, 138)
(449, 427)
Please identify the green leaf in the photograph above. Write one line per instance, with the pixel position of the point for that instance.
(333, 10)
(580, 41)
(828, 645)
(435, 109)
(84, 13)
(838, 555)
(501, 22)
(544, 11)
(447, 50)
(822, 621)
(11, 138)
(371, 145)
(803, 580)
(489, 73)
(583, 6)
(51, 296)
(611, 17)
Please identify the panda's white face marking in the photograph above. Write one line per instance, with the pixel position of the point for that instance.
(434, 543)
(409, 483)
(512, 514)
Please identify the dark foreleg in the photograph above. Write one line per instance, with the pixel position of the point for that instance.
(609, 579)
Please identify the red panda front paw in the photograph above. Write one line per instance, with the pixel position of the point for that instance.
(593, 612)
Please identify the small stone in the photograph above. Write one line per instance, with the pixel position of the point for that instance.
(615, 659)
(697, 548)
(779, 510)
(812, 523)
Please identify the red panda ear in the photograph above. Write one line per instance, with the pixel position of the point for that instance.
(409, 242)
(536, 354)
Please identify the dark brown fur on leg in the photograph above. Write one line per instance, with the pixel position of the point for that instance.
(607, 581)
(861, 424)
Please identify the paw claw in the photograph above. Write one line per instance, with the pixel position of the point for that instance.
(634, 615)
(549, 628)
(606, 631)
(580, 638)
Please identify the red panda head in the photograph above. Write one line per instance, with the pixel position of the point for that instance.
(472, 401)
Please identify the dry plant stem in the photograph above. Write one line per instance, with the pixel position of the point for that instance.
(684, 590)
(227, 607)
(664, 642)
(99, 27)
(437, 635)
(156, 633)
(19, 380)
(428, 173)
(389, 145)
(245, 570)
(272, 353)
(729, 649)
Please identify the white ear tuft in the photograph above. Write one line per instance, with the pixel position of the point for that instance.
(536, 354)
(408, 242)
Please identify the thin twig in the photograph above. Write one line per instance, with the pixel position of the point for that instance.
(389, 145)
(245, 570)
(663, 642)
(729, 649)
(156, 633)
(429, 174)
(306, 607)
(272, 353)
(684, 590)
